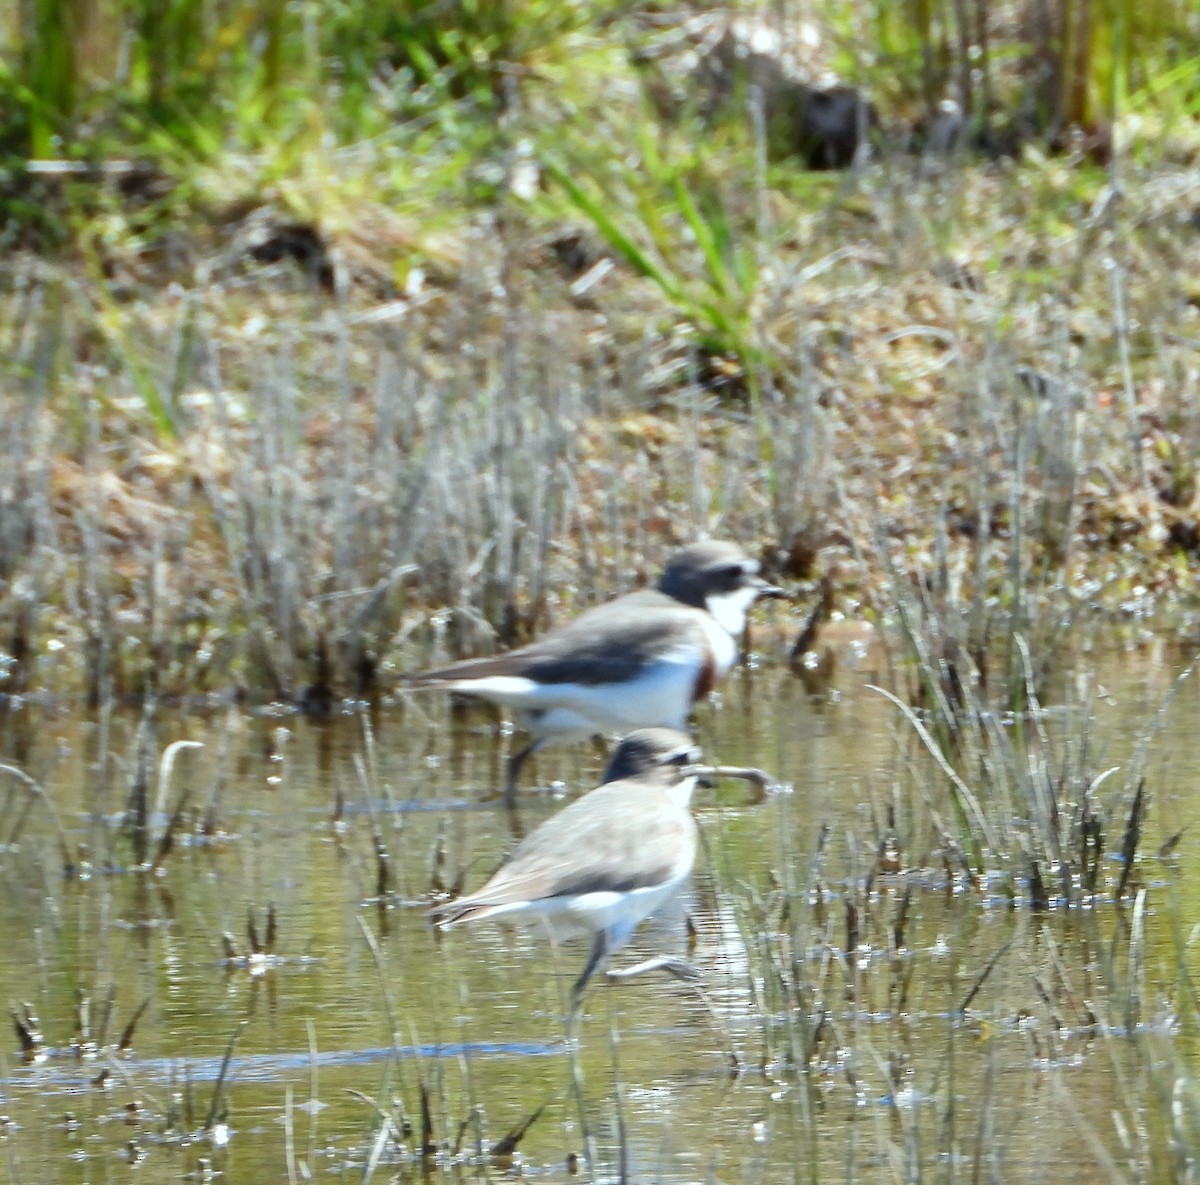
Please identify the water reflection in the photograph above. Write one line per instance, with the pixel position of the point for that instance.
(351, 822)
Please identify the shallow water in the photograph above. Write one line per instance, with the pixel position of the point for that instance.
(1026, 1082)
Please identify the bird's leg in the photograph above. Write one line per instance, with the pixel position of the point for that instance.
(676, 967)
(598, 955)
(515, 823)
(515, 762)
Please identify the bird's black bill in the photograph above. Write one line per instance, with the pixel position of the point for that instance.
(768, 592)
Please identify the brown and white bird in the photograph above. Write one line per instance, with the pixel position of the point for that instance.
(607, 861)
(641, 660)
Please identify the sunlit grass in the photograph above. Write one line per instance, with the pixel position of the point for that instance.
(1017, 69)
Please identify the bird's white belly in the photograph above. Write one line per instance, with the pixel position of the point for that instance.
(660, 696)
(585, 914)
(724, 646)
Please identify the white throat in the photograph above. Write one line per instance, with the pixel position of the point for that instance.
(730, 608)
(681, 793)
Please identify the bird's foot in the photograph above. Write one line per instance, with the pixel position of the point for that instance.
(675, 967)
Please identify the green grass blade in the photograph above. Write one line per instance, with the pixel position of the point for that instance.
(706, 239)
(628, 248)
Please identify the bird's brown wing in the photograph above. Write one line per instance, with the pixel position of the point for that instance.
(620, 837)
(607, 644)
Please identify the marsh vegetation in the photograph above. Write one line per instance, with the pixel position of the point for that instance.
(337, 340)
(888, 992)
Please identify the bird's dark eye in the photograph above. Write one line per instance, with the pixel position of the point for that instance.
(733, 572)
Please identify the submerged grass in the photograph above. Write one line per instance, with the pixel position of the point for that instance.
(892, 1012)
(843, 977)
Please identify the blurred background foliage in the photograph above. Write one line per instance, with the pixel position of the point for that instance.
(178, 79)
